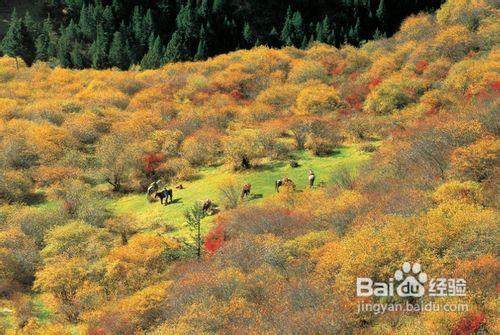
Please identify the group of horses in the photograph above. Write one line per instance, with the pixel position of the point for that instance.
(166, 195)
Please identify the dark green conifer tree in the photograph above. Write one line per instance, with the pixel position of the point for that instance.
(98, 50)
(176, 50)
(118, 52)
(18, 42)
(202, 51)
(153, 58)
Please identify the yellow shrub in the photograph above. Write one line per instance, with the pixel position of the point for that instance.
(317, 99)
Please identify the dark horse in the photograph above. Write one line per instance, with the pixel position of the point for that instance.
(166, 193)
(285, 181)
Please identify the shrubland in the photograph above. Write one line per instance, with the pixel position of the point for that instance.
(72, 140)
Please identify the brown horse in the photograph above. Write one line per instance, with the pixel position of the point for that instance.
(285, 181)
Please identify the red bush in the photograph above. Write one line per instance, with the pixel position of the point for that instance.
(469, 324)
(421, 65)
(236, 94)
(374, 83)
(215, 238)
(153, 162)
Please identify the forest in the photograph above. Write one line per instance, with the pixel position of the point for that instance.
(401, 133)
(105, 34)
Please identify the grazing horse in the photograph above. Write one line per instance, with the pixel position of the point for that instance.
(153, 188)
(285, 181)
(166, 193)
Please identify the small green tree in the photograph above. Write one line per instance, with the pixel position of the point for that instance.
(193, 217)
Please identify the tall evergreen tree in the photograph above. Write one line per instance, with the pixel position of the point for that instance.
(153, 58)
(274, 38)
(298, 28)
(45, 43)
(248, 36)
(77, 57)
(203, 9)
(202, 51)
(287, 31)
(326, 28)
(65, 44)
(87, 23)
(108, 22)
(382, 14)
(98, 50)
(118, 52)
(218, 6)
(176, 50)
(17, 42)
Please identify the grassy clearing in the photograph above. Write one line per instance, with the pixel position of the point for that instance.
(208, 181)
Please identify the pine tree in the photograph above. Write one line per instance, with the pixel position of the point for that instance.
(326, 28)
(65, 44)
(186, 21)
(298, 28)
(304, 43)
(139, 33)
(378, 35)
(108, 22)
(45, 43)
(202, 51)
(218, 6)
(248, 35)
(274, 38)
(319, 32)
(77, 56)
(355, 32)
(153, 58)
(17, 42)
(203, 9)
(148, 25)
(287, 31)
(331, 37)
(176, 50)
(381, 13)
(86, 23)
(31, 25)
(117, 52)
(98, 50)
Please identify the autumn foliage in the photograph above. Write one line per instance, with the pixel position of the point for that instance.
(423, 104)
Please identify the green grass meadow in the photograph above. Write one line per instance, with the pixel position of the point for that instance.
(209, 180)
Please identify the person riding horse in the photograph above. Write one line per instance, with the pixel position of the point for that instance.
(285, 181)
(245, 192)
(166, 194)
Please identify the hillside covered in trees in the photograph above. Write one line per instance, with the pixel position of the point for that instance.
(104, 34)
(403, 135)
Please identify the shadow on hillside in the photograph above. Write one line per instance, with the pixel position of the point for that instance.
(256, 196)
(35, 198)
(175, 201)
(270, 166)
